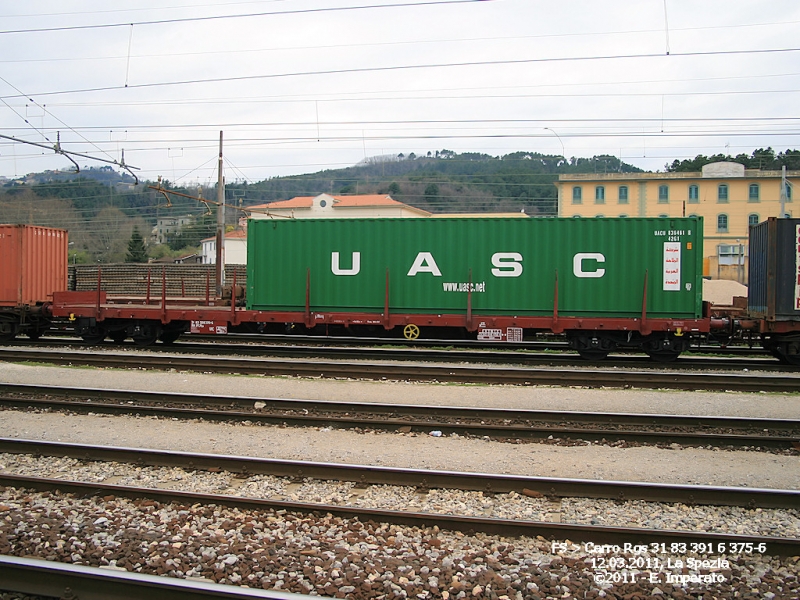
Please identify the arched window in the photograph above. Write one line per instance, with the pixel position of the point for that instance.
(599, 194)
(753, 193)
(722, 192)
(623, 216)
(577, 194)
(788, 189)
(722, 223)
(694, 194)
(752, 219)
(623, 194)
(663, 194)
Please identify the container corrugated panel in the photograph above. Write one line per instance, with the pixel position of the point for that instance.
(774, 286)
(510, 265)
(34, 264)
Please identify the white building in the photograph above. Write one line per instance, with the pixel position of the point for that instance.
(234, 249)
(167, 227)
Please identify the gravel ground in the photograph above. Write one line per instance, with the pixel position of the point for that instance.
(514, 506)
(686, 465)
(495, 396)
(342, 558)
(346, 558)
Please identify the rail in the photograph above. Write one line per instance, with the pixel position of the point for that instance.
(497, 423)
(61, 580)
(590, 377)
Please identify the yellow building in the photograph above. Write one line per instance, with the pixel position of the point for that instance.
(729, 197)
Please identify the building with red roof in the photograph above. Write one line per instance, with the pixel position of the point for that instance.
(326, 206)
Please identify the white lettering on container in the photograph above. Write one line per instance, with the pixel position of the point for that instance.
(424, 263)
(336, 266)
(577, 264)
(507, 264)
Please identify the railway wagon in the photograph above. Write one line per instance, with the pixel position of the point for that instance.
(607, 283)
(774, 292)
(34, 265)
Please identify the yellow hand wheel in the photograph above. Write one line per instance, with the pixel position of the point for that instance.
(411, 331)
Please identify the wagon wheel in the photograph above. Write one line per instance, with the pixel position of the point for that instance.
(146, 333)
(8, 329)
(411, 331)
(664, 355)
(169, 337)
(592, 354)
(94, 335)
(35, 333)
(118, 336)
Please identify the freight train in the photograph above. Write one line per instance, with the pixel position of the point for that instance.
(631, 284)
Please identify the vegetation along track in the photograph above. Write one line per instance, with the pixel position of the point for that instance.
(411, 371)
(563, 427)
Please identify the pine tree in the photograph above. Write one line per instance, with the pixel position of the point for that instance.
(137, 253)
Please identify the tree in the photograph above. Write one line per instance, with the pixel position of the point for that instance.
(431, 193)
(137, 253)
(193, 234)
(394, 189)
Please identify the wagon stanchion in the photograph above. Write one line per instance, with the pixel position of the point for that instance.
(386, 319)
(469, 302)
(147, 293)
(556, 327)
(308, 299)
(164, 318)
(233, 299)
(99, 287)
(644, 328)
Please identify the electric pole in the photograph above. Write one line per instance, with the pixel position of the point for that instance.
(220, 225)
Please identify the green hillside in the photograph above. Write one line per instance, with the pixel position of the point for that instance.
(101, 207)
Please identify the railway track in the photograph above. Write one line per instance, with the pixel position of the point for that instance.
(423, 481)
(411, 371)
(527, 355)
(561, 426)
(67, 581)
(303, 560)
(582, 548)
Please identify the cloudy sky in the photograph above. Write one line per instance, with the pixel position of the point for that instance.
(299, 86)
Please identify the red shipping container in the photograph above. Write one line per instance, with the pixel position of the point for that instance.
(33, 264)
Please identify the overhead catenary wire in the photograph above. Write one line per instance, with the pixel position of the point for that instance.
(388, 68)
(184, 127)
(240, 16)
(70, 154)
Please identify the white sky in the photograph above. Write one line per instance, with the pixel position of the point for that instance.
(322, 88)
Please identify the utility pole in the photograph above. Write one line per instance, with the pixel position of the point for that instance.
(220, 225)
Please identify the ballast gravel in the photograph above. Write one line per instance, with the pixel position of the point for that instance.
(346, 558)
(592, 461)
(514, 506)
(333, 557)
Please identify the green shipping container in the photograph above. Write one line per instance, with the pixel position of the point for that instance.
(510, 265)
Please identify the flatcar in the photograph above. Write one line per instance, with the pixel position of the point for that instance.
(605, 284)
